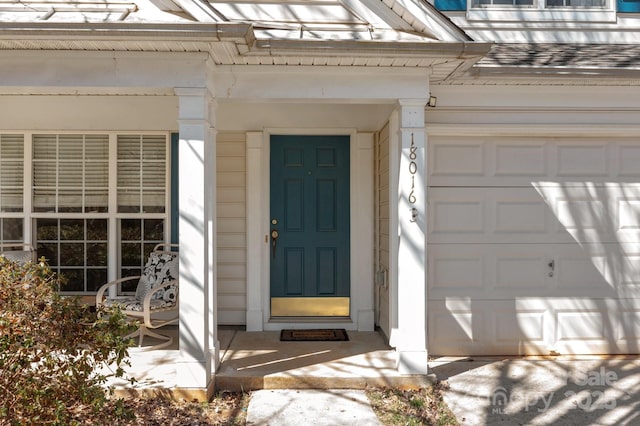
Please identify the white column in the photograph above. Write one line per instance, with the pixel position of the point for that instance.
(197, 189)
(409, 293)
(256, 238)
(362, 231)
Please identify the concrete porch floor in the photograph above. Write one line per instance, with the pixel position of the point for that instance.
(259, 360)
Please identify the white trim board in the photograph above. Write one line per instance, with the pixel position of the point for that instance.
(258, 299)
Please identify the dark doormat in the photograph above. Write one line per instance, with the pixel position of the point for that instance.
(317, 335)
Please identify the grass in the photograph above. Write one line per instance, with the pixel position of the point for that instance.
(393, 407)
(424, 406)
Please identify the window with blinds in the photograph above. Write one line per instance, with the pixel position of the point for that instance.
(142, 173)
(85, 195)
(11, 172)
(70, 173)
(11, 188)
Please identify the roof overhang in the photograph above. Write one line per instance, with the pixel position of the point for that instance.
(237, 44)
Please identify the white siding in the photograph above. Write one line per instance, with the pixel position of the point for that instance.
(231, 226)
(382, 229)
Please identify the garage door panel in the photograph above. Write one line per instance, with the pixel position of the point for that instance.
(474, 327)
(519, 272)
(503, 271)
(524, 159)
(628, 328)
(534, 326)
(628, 158)
(459, 216)
(513, 327)
(472, 215)
(458, 272)
(548, 213)
(519, 161)
(581, 159)
(582, 273)
(456, 159)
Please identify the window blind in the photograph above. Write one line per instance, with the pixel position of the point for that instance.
(11, 172)
(70, 173)
(142, 176)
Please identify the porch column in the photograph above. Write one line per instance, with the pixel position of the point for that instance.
(255, 232)
(409, 295)
(197, 170)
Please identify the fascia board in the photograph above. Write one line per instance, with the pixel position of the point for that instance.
(150, 31)
(568, 72)
(460, 50)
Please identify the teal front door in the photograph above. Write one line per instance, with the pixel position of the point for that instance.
(309, 226)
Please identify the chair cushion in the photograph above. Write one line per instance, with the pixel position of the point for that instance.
(133, 304)
(162, 267)
(20, 256)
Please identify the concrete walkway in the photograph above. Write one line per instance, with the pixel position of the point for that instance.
(325, 407)
(542, 390)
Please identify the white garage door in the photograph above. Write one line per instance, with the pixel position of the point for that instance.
(533, 246)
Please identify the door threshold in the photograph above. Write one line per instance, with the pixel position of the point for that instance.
(310, 320)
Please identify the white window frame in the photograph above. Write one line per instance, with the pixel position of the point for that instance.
(538, 12)
(16, 215)
(112, 216)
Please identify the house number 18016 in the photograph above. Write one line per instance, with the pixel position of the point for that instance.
(413, 169)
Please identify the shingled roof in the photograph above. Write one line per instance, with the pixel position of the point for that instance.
(548, 58)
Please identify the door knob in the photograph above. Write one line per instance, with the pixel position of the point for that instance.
(274, 241)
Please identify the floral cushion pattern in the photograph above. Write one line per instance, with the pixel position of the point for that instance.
(133, 304)
(161, 268)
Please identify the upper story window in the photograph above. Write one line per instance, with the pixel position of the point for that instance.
(594, 8)
(565, 11)
(587, 4)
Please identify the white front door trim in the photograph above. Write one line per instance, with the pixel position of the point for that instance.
(361, 205)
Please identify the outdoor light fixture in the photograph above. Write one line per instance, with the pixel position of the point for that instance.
(432, 101)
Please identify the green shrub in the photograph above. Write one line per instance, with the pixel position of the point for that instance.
(51, 349)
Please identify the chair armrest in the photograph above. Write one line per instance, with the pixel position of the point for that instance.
(146, 303)
(104, 287)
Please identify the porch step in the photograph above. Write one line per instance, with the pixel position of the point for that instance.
(259, 360)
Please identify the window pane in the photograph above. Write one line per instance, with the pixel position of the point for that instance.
(131, 229)
(135, 247)
(576, 3)
(97, 254)
(131, 255)
(489, 3)
(50, 252)
(11, 172)
(72, 254)
(47, 229)
(71, 173)
(71, 229)
(95, 279)
(74, 280)
(154, 229)
(97, 229)
(142, 166)
(80, 259)
(45, 147)
(12, 229)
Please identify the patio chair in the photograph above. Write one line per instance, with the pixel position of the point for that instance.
(155, 303)
(18, 252)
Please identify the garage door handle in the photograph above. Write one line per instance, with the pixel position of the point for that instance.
(552, 267)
